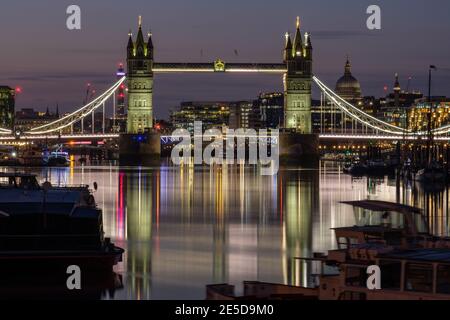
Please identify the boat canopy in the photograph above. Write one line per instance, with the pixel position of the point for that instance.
(383, 206)
(423, 255)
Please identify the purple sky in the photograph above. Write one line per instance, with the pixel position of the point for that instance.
(53, 64)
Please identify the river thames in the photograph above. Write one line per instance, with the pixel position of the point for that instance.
(186, 227)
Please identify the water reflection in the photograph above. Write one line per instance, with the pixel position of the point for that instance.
(186, 227)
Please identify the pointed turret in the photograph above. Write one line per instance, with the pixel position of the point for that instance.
(287, 48)
(150, 46)
(130, 46)
(297, 49)
(140, 43)
(308, 46)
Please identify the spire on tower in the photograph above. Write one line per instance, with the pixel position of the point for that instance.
(150, 45)
(288, 47)
(130, 46)
(288, 41)
(297, 50)
(130, 40)
(348, 66)
(308, 46)
(150, 42)
(308, 39)
(140, 43)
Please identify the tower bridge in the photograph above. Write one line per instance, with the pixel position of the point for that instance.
(295, 70)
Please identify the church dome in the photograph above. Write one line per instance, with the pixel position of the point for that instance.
(347, 87)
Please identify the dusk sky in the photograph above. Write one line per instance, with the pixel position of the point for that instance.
(53, 64)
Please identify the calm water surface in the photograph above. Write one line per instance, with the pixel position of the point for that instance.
(183, 228)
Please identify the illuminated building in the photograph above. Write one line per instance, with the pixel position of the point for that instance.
(370, 105)
(418, 114)
(243, 114)
(348, 87)
(28, 118)
(140, 83)
(394, 108)
(271, 108)
(7, 102)
(212, 115)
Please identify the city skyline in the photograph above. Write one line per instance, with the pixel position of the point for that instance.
(63, 61)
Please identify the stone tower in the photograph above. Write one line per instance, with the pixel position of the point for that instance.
(140, 83)
(297, 82)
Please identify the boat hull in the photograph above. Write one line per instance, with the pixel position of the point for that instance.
(50, 261)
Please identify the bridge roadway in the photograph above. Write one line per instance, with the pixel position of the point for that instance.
(166, 139)
(167, 67)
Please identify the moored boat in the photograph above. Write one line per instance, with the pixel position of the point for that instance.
(357, 169)
(56, 158)
(414, 264)
(431, 173)
(50, 228)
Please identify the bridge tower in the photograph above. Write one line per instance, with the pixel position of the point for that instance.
(140, 82)
(140, 144)
(298, 143)
(297, 82)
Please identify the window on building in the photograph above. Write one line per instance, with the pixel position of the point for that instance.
(419, 277)
(391, 274)
(356, 276)
(443, 279)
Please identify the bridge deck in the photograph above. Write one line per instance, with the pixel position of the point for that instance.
(100, 136)
(163, 67)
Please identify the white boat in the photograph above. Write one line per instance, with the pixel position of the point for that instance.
(56, 158)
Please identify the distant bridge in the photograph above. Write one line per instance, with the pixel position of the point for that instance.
(367, 127)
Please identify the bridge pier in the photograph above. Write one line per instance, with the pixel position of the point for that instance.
(140, 148)
(299, 149)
